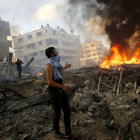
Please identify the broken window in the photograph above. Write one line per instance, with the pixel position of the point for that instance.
(34, 54)
(29, 36)
(42, 52)
(32, 45)
(51, 41)
(54, 32)
(21, 48)
(38, 33)
(40, 43)
(67, 43)
(20, 39)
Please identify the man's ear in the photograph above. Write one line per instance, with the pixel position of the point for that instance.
(52, 54)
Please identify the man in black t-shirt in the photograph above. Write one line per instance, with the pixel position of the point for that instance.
(58, 92)
(19, 68)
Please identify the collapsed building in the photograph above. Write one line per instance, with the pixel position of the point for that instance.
(4, 44)
(92, 53)
(105, 105)
(33, 45)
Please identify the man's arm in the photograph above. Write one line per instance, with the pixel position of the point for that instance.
(20, 61)
(66, 67)
(51, 82)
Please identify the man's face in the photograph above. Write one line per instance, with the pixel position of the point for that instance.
(55, 52)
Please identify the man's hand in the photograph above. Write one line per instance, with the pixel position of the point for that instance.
(67, 65)
(66, 88)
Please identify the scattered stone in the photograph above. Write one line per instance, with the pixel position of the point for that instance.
(125, 90)
(85, 89)
(123, 107)
(129, 85)
(76, 123)
(87, 82)
(138, 90)
(45, 88)
(92, 108)
(113, 104)
(89, 114)
(77, 97)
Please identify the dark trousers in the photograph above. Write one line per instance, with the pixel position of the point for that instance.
(19, 73)
(60, 101)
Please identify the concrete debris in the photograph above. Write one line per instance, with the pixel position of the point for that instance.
(129, 85)
(138, 90)
(123, 107)
(87, 82)
(106, 107)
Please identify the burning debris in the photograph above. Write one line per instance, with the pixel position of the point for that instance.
(104, 104)
(117, 57)
(39, 74)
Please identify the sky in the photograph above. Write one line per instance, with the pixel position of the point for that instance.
(27, 15)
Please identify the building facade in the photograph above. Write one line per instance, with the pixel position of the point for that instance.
(4, 43)
(92, 53)
(33, 44)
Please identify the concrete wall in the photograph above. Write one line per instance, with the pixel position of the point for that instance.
(4, 43)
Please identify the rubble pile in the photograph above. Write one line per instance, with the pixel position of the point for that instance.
(104, 105)
(24, 117)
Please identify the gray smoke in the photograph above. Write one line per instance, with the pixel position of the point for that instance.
(15, 31)
(121, 17)
(78, 13)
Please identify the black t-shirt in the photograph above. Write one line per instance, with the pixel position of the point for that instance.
(18, 65)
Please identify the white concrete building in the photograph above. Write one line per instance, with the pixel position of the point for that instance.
(33, 44)
(92, 53)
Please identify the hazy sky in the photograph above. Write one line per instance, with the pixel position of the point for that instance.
(28, 15)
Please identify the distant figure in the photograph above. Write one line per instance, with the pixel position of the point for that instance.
(19, 68)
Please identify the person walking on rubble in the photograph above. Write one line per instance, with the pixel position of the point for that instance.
(19, 68)
(58, 92)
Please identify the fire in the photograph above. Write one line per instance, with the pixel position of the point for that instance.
(117, 58)
(39, 74)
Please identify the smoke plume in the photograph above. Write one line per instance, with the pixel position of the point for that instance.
(120, 17)
(48, 11)
(15, 30)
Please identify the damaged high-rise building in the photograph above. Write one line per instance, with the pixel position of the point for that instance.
(4, 43)
(33, 44)
(92, 53)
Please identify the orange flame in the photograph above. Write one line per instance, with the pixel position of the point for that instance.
(118, 58)
(39, 74)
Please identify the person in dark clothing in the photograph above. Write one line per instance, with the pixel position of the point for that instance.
(19, 68)
(58, 92)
